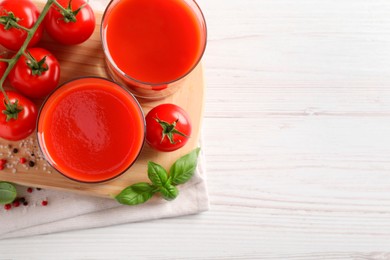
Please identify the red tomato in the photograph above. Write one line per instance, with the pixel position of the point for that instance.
(27, 14)
(63, 29)
(168, 127)
(31, 78)
(17, 128)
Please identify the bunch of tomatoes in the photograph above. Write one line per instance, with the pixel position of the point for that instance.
(37, 72)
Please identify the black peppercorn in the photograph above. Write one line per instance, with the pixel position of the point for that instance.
(31, 163)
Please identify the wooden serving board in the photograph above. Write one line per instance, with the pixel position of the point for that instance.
(87, 59)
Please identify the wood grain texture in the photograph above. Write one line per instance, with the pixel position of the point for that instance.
(87, 59)
(296, 136)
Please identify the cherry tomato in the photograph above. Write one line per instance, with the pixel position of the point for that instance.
(37, 77)
(26, 14)
(63, 29)
(168, 127)
(17, 128)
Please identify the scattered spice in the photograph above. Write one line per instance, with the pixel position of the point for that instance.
(7, 206)
(29, 190)
(22, 160)
(15, 150)
(16, 203)
(44, 202)
(31, 163)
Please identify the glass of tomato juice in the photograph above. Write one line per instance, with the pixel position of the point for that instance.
(91, 129)
(151, 46)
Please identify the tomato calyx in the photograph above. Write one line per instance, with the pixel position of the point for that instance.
(169, 130)
(9, 21)
(68, 14)
(37, 67)
(12, 110)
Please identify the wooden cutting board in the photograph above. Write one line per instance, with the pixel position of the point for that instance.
(87, 59)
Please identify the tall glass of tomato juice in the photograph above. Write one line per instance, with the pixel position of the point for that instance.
(151, 46)
(91, 129)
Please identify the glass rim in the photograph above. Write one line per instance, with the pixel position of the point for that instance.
(115, 175)
(112, 63)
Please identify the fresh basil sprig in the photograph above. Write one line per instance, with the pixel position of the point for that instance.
(162, 182)
(7, 192)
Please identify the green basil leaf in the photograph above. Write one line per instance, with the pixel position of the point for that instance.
(7, 192)
(168, 191)
(136, 194)
(157, 174)
(183, 169)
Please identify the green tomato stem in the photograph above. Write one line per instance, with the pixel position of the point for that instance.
(30, 34)
(18, 26)
(5, 60)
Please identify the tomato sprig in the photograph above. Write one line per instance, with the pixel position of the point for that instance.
(11, 21)
(12, 110)
(169, 129)
(68, 14)
(37, 67)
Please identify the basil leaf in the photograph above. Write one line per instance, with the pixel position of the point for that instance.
(157, 174)
(7, 192)
(183, 169)
(136, 194)
(169, 192)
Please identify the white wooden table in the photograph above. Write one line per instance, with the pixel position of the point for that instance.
(297, 142)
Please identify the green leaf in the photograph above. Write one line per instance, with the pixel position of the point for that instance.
(168, 191)
(136, 194)
(183, 169)
(157, 174)
(7, 192)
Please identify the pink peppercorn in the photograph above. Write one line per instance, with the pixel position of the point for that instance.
(44, 202)
(7, 206)
(29, 190)
(16, 203)
(2, 163)
(22, 160)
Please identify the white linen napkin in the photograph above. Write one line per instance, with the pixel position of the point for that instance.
(67, 211)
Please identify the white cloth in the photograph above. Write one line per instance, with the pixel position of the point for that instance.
(67, 211)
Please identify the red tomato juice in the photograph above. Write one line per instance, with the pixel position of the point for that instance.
(91, 129)
(154, 41)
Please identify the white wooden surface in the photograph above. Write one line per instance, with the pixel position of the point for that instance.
(297, 139)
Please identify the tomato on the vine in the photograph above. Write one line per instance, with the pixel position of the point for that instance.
(168, 127)
(13, 14)
(18, 119)
(36, 75)
(74, 26)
